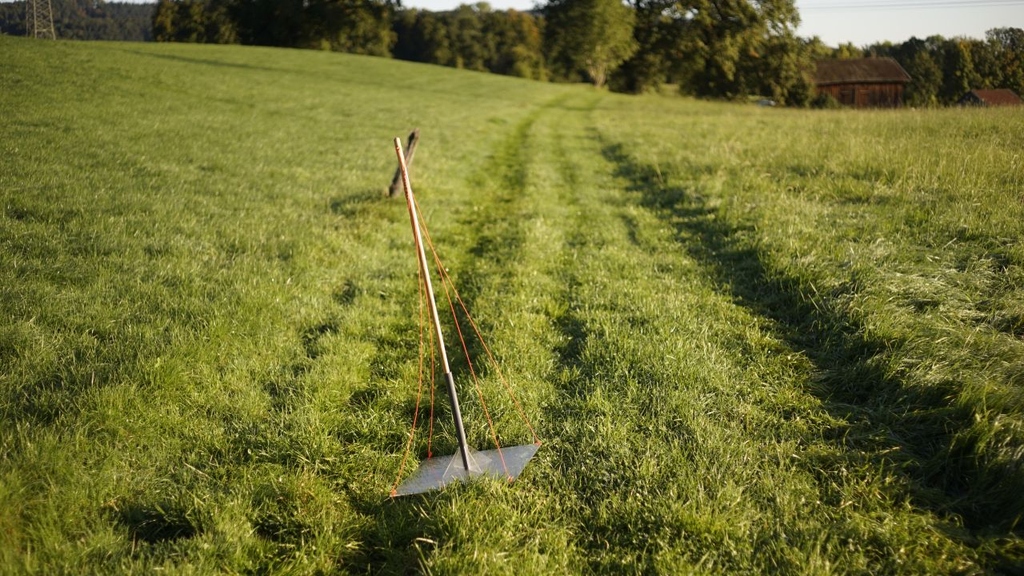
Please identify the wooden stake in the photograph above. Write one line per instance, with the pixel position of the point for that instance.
(396, 182)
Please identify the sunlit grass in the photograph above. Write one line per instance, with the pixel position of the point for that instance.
(751, 340)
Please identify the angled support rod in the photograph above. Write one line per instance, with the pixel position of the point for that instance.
(410, 151)
(425, 269)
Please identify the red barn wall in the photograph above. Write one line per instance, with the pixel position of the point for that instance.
(865, 95)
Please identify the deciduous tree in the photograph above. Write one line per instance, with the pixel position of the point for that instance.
(1008, 48)
(589, 36)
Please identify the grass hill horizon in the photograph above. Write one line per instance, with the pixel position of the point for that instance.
(751, 340)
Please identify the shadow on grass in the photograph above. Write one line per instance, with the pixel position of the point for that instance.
(157, 522)
(893, 424)
(359, 204)
(204, 61)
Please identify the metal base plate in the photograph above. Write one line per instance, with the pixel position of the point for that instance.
(435, 473)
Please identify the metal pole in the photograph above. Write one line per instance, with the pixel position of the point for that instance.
(425, 268)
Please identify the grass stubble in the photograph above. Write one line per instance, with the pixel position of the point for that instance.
(751, 340)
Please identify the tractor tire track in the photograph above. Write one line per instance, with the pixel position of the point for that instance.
(667, 431)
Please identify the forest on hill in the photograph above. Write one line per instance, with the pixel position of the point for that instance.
(729, 50)
(86, 20)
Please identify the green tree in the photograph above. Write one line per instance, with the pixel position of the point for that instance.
(589, 36)
(164, 21)
(271, 22)
(720, 49)
(925, 79)
(958, 75)
(987, 64)
(466, 34)
(358, 26)
(1007, 46)
(848, 51)
(780, 70)
(473, 37)
(202, 21)
(516, 45)
(742, 48)
(353, 26)
(659, 33)
(422, 36)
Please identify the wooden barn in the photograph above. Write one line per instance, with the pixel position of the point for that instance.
(862, 82)
(999, 97)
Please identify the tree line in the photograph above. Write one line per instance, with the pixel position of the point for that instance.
(713, 48)
(728, 49)
(86, 20)
(944, 69)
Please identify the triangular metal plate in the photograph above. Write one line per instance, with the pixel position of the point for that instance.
(436, 473)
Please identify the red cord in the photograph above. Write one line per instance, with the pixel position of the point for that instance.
(433, 379)
(419, 388)
(447, 283)
(497, 367)
(472, 372)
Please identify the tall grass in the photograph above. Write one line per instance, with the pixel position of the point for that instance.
(751, 340)
(887, 247)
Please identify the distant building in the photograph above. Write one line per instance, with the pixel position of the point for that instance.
(1000, 97)
(862, 82)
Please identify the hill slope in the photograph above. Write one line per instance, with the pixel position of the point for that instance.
(752, 340)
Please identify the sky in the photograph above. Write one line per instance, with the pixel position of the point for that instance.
(861, 22)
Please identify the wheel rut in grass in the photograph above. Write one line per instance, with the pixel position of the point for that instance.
(490, 243)
(630, 444)
(677, 429)
(911, 432)
(616, 442)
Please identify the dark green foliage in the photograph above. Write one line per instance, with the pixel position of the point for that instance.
(516, 45)
(942, 70)
(925, 79)
(271, 22)
(1007, 46)
(472, 37)
(422, 36)
(588, 38)
(825, 102)
(86, 20)
(744, 48)
(354, 26)
(726, 49)
(658, 35)
(958, 74)
(200, 21)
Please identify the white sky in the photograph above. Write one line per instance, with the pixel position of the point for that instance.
(867, 21)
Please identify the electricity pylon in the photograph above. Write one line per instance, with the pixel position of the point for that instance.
(39, 19)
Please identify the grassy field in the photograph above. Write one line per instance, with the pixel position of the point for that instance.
(751, 340)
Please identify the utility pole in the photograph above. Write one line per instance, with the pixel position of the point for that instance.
(39, 19)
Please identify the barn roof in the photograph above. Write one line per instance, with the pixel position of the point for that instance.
(999, 97)
(860, 71)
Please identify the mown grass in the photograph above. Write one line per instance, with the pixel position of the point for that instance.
(751, 340)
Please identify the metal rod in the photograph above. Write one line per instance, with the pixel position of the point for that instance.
(425, 268)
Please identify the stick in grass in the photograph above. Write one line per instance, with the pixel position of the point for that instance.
(396, 183)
